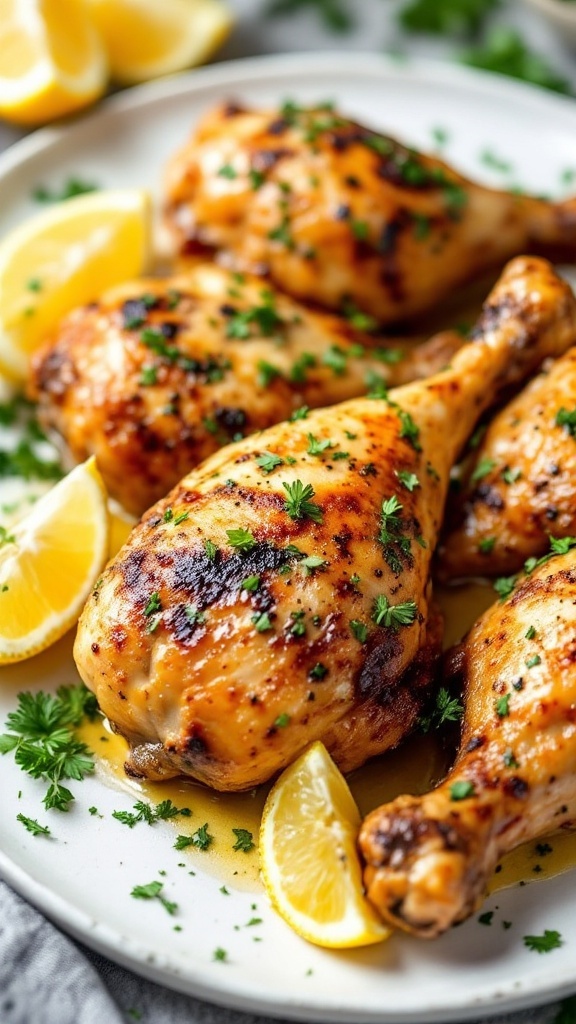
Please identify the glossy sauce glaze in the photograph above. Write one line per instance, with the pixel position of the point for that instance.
(415, 767)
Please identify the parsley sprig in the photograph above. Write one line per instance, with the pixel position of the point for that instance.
(145, 812)
(41, 737)
(299, 505)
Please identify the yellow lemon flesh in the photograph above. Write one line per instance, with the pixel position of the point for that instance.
(145, 38)
(308, 855)
(49, 562)
(62, 258)
(52, 60)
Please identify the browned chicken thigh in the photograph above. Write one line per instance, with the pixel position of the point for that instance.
(336, 212)
(281, 593)
(429, 858)
(520, 488)
(159, 374)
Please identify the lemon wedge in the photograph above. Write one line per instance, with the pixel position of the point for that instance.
(62, 258)
(308, 855)
(146, 39)
(52, 60)
(49, 562)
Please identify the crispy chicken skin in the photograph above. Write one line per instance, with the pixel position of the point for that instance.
(292, 602)
(521, 486)
(337, 213)
(161, 373)
(429, 859)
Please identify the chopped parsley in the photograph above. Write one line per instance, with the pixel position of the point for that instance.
(244, 840)
(359, 629)
(446, 709)
(72, 187)
(145, 812)
(311, 563)
(210, 549)
(300, 414)
(533, 661)
(262, 622)
(282, 720)
(530, 633)
(201, 839)
(502, 705)
(227, 171)
(299, 505)
(241, 539)
(220, 955)
(543, 943)
(393, 615)
(151, 891)
(318, 671)
(317, 447)
(484, 467)
(461, 790)
(268, 462)
(251, 583)
(41, 737)
(32, 826)
(408, 429)
(567, 419)
(486, 545)
(510, 476)
(408, 480)
(504, 586)
(264, 318)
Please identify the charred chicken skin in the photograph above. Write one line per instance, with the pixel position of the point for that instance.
(521, 486)
(161, 373)
(336, 213)
(429, 858)
(281, 592)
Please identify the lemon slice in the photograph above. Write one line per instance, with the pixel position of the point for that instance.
(63, 257)
(308, 855)
(49, 562)
(145, 38)
(52, 60)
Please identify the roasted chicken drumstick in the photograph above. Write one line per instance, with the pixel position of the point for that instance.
(336, 212)
(429, 858)
(161, 373)
(281, 593)
(521, 486)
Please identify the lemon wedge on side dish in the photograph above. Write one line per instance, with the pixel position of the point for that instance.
(63, 257)
(149, 38)
(49, 562)
(52, 60)
(308, 855)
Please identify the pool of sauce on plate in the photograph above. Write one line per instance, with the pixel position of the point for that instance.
(414, 768)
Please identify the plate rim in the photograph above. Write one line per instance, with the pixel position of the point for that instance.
(535, 988)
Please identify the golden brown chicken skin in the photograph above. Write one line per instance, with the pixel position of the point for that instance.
(281, 592)
(337, 213)
(429, 859)
(161, 373)
(520, 488)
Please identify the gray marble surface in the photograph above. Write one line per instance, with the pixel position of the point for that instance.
(45, 977)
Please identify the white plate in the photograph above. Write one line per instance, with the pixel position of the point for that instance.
(83, 878)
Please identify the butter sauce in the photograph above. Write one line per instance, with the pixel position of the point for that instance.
(417, 766)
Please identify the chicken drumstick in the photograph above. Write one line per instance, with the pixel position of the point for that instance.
(429, 858)
(281, 592)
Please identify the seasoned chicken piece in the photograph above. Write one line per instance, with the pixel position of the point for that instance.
(430, 858)
(337, 213)
(280, 593)
(521, 486)
(160, 374)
